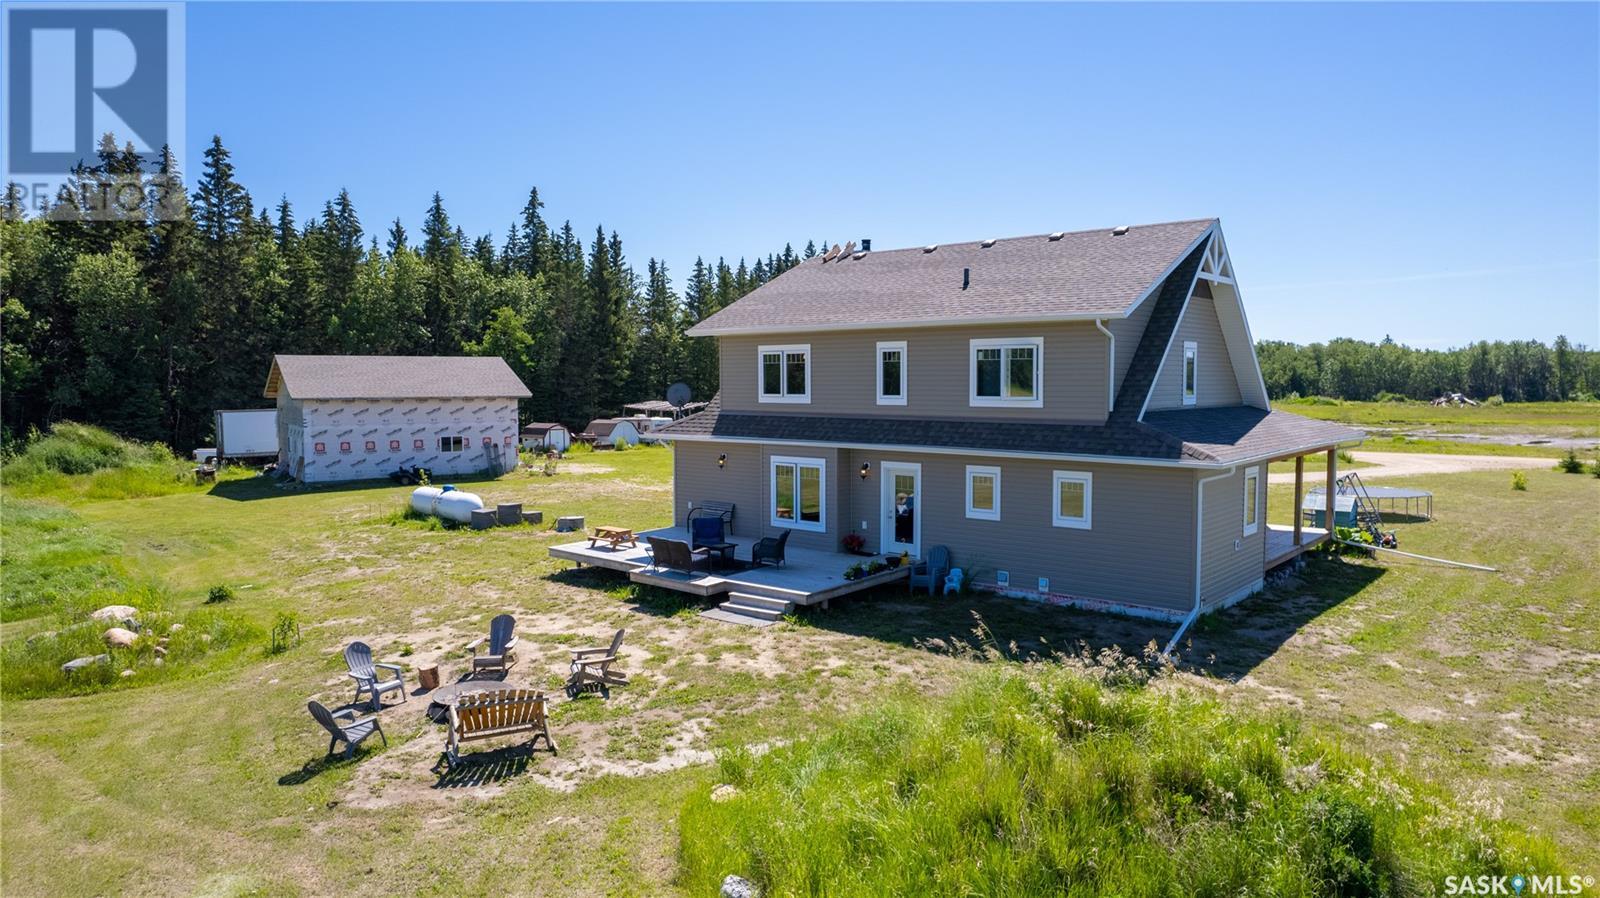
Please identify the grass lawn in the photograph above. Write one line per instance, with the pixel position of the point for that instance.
(213, 782)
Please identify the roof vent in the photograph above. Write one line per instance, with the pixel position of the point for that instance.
(930, 247)
(1057, 235)
(988, 243)
(866, 244)
(859, 255)
(1119, 230)
(966, 278)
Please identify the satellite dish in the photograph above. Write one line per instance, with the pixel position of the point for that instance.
(679, 394)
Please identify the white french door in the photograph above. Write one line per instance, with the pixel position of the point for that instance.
(901, 504)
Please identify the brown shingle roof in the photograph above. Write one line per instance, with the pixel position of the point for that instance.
(393, 377)
(1086, 274)
(1236, 433)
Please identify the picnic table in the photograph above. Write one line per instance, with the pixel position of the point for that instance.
(616, 536)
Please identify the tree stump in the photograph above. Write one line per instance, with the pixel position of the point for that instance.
(428, 676)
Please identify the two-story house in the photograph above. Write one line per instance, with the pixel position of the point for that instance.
(1079, 417)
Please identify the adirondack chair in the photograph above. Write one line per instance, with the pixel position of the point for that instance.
(489, 715)
(591, 668)
(929, 573)
(358, 655)
(501, 651)
(769, 549)
(351, 733)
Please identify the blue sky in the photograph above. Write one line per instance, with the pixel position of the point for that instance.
(1429, 171)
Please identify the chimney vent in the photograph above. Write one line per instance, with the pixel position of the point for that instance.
(866, 244)
(966, 277)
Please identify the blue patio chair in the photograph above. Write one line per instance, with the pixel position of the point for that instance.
(929, 573)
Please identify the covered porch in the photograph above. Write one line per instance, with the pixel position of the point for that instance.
(807, 577)
(1285, 542)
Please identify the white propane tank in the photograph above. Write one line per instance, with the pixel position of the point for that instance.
(448, 502)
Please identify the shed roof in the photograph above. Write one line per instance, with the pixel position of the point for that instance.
(541, 427)
(1078, 275)
(393, 377)
(601, 427)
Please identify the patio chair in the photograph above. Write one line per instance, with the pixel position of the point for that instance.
(769, 549)
(675, 554)
(930, 572)
(491, 715)
(501, 653)
(591, 668)
(358, 656)
(351, 733)
(706, 531)
(952, 581)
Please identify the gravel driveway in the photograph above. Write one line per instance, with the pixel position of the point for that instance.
(1408, 464)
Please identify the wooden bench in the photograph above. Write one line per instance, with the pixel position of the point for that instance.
(489, 715)
(616, 536)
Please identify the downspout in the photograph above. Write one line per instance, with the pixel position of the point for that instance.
(1111, 366)
(1199, 532)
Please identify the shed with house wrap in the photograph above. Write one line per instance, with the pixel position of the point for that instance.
(359, 417)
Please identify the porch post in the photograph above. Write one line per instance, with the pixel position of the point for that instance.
(1299, 491)
(1332, 509)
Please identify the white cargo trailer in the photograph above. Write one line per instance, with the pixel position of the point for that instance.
(247, 433)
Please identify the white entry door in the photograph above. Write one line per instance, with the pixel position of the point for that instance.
(901, 502)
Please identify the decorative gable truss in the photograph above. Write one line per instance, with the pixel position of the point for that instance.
(1215, 266)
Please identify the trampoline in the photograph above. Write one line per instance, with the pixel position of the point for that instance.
(1402, 500)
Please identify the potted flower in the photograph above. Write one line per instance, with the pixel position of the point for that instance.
(854, 543)
(853, 572)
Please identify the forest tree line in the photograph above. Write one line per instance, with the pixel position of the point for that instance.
(145, 324)
(1514, 370)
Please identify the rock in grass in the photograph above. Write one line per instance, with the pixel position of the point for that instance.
(77, 664)
(128, 673)
(126, 615)
(723, 792)
(739, 887)
(117, 637)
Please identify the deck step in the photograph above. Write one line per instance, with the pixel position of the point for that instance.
(730, 617)
(782, 606)
(758, 607)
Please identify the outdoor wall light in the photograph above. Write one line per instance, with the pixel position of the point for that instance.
(722, 460)
(866, 468)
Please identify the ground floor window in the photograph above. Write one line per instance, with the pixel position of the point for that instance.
(1252, 500)
(798, 500)
(452, 444)
(983, 492)
(1073, 499)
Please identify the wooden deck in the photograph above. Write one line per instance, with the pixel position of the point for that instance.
(808, 577)
(1280, 542)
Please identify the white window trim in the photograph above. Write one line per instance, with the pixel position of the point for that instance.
(783, 373)
(976, 401)
(821, 464)
(877, 362)
(1190, 348)
(983, 514)
(1056, 518)
(1250, 527)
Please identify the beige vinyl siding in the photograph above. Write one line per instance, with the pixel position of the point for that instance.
(1230, 560)
(1139, 551)
(1218, 385)
(698, 479)
(844, 374)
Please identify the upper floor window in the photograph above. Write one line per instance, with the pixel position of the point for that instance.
(892, 373)
(785, 374)
(1191, 372)
(1252, 500)
(1008, 372)
(1073, 503)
